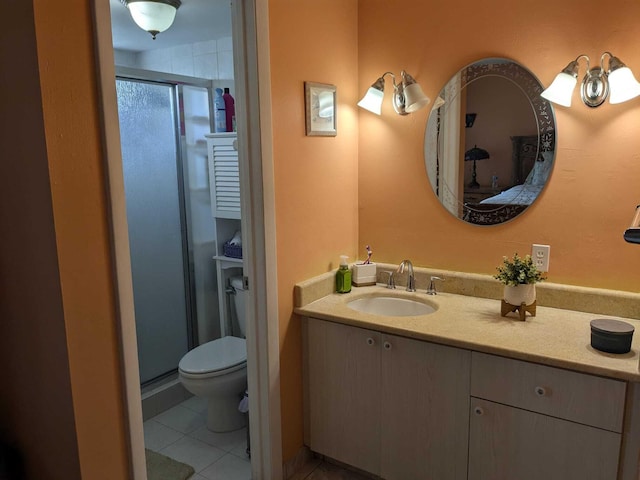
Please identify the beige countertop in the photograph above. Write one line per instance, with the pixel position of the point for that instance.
(555, 336)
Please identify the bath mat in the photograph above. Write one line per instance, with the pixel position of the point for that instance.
(161, 467)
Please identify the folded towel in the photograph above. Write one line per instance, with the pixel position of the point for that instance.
(243, 406)
(237, 239)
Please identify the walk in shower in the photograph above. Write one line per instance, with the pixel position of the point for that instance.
(171, 233)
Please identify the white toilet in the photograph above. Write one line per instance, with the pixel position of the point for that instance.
(217, 371)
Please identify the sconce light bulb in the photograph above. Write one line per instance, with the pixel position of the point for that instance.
(414, 97)
(372, 100)
(622, 83)
(561, 90)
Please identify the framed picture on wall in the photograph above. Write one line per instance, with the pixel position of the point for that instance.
(320, 109)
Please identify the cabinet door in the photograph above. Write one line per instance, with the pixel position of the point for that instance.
(224, 177)
(507, 443)
(343, 374)
(425, 410)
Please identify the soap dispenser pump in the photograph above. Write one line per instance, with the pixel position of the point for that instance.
(343, 276)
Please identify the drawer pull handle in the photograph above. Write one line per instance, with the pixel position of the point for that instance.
(541, 391)
(387, 346)
(478, 411)
(370, 341)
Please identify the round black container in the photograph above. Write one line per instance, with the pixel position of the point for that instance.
(611, 336)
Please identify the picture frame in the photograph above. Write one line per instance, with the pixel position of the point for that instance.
(320, 109)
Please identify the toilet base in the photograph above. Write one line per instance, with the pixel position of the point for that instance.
(223, 414)
(223, 394)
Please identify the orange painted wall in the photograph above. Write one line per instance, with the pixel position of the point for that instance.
(36, 405)
(316, 178)
(592, 193)
(74, 427)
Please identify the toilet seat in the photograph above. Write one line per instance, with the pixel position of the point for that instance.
(218, 357)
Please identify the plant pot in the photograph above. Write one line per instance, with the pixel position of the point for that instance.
(525, 293)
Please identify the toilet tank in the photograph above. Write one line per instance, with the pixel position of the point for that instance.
(239, 300)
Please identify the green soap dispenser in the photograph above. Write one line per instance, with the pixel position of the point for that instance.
(343, 276)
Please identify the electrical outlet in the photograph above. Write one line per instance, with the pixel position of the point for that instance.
(540, 256)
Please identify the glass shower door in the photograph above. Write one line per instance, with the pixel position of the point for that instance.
(152, 175)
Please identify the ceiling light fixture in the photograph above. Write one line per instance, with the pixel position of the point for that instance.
(154, 16)
(617, 83)
(408, 96)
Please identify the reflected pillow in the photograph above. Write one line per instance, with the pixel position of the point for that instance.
(541, 170)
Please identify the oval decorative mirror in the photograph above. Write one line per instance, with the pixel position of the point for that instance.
(490, 142)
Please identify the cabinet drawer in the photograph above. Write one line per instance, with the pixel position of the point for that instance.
(578, 397)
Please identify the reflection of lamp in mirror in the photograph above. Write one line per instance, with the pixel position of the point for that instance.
(408, 96)
(474, 154)
(617, 83)
(470, 119)
(632, 234)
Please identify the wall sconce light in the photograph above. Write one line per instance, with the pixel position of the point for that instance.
(618, 83)
(408, 96)
(154, 16)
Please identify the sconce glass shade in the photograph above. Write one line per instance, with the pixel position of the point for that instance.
(561, 89)
(622, 84)
(414, 97)
(154, 16)
(372, 100)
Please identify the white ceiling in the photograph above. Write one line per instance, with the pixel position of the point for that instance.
(196, 21)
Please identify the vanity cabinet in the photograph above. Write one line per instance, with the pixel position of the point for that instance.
(530, 421)
(389, 405)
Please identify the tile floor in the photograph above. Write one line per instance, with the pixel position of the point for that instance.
(323, 470)
(181, 433)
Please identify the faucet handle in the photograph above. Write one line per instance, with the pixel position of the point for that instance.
(391, 283)
(432, 287)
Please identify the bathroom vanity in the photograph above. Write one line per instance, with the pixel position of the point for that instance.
(463, 393)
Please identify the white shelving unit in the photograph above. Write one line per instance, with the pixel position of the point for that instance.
(224, 188)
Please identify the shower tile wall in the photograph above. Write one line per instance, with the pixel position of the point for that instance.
(212, 59)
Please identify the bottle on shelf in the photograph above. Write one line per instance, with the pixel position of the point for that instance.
(220, 116)
(229, 109)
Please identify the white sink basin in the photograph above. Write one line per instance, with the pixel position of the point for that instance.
(390, 306)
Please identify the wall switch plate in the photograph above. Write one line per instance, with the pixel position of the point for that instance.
(540, 256)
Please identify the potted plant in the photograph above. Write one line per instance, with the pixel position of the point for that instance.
(519, 275)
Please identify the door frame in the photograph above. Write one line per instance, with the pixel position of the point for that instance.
(252, 79)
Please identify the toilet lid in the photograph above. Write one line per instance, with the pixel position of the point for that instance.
(220, 354)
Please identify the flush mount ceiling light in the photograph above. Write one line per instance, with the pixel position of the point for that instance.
(617, 83)
(154, 16)
(408, 96)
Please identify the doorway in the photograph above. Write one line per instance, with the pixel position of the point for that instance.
(249, 23)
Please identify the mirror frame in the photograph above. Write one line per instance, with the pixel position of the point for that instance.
(543, 114)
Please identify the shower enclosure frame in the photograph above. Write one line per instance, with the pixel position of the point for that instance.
(177, 83)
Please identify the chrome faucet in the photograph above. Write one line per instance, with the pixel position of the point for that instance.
(411, 283)
(432, 287)
(391, 283)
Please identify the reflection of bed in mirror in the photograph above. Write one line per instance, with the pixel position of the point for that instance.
(528, 160)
